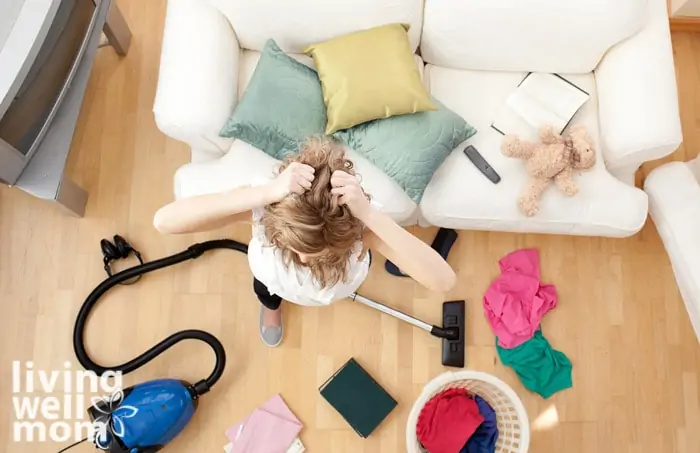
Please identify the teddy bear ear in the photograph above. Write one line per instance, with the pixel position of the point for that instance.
(579, 132)
(577, 129)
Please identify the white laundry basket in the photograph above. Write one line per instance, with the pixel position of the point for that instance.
(513, 425)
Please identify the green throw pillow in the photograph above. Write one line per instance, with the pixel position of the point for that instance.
(409, 148)
(282, 105)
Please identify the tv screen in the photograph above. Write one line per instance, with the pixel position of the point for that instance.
(32, 108)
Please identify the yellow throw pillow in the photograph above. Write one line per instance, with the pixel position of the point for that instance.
(368, 75)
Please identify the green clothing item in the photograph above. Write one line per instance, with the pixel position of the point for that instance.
(541, 369)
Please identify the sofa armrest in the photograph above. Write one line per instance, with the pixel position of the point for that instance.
(198, 76)
(694, 166)
(674, 205)
(637, 95)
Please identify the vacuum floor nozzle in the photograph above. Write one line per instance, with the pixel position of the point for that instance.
(452, 332)
(453, 323)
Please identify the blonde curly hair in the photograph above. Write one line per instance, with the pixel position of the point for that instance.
(314, 223)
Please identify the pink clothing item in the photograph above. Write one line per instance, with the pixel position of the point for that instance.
(516, 301)
(271, 428)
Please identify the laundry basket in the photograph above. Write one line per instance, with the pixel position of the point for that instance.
(513, 426)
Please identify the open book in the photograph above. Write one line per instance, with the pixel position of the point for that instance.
(540, 99)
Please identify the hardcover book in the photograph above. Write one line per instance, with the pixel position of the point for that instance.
(358, 398)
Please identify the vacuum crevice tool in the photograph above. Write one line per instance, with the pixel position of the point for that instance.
(452, 332)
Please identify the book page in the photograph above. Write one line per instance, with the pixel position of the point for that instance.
(555, 95)
(508, 122)
(533, 111)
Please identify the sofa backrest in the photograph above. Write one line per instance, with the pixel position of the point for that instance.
(296, 24)
(565, 36)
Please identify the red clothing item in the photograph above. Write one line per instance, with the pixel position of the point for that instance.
(516, 301)
(447, 421)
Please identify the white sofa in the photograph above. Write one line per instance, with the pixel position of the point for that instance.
(472, 54)
(674, 204)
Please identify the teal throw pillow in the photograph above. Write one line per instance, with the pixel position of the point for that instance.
(282, 105)
(409, 148)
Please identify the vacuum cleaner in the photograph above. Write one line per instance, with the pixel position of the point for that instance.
(147, 416)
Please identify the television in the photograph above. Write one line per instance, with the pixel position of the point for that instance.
(41, 46)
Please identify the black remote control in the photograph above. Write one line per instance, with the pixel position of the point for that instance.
(481, 164)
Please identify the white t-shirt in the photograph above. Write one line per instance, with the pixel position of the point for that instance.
(297, 284)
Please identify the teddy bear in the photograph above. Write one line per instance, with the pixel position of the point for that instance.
(554, 158)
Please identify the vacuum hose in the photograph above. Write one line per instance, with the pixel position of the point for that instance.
(192, 252)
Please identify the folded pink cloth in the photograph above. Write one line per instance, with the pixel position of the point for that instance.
(271, 428)
(516, 301)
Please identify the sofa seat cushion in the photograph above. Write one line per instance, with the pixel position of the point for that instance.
(459, 196)
(245, 165)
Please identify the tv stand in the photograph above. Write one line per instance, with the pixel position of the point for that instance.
(44, 176)
(117, 30)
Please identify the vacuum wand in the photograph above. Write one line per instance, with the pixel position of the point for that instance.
(451, 332)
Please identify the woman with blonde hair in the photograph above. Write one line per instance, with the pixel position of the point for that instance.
(313, 228)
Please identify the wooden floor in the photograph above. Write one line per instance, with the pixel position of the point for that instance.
(620, 318)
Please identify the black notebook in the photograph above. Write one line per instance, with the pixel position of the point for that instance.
(362, 402)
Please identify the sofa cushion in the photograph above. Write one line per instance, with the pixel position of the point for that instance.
(367, 75)
(244, 165)
(514, 35)
(459, 196)
(294, 25)
(248, 61)
(409, 148)
(282, 105)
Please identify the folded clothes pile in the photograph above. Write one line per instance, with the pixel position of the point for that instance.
(514, 305)
(271, 428)
(455, 421)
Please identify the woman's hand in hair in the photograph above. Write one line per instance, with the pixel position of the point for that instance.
(296, 178)
(348, 188)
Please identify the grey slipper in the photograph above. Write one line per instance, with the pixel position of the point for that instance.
(271, 336)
